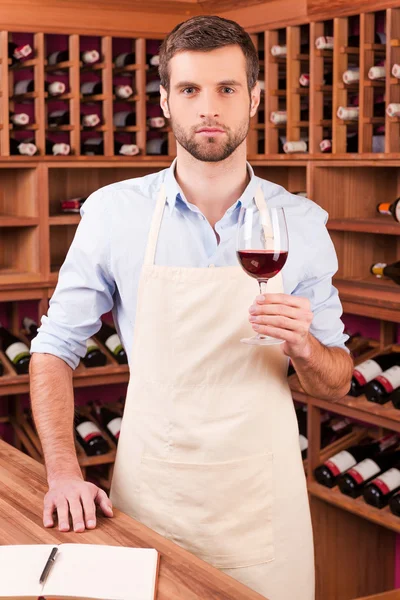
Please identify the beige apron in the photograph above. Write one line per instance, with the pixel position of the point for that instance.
(208, 454)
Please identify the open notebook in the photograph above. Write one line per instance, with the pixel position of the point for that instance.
(79, 571)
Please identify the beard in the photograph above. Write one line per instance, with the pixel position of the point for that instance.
(210, 149)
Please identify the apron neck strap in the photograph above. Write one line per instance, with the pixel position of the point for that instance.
(155, 227)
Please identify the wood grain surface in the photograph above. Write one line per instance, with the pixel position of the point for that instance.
(182, 576)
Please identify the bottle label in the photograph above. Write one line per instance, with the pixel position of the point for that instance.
(73, 205)
(120, 118)
(364, 470)
(388, 481)
(91, 345)
(21, 87)
(56, 88)
(113, 343)
(390, 379)
(303, 442)
(304, 79)
(22, 51)
(123, 91)
(88, 430)
(115, 426)
(119, 61)
(90, 120)
(90, 56)
(366, 372)
(16, 351)
(339, 463)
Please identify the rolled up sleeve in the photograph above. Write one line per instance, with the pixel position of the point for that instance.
(321, 266)
(85, 288)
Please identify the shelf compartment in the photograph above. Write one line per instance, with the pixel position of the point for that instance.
(19, 254)
(18, 192)
(65, 219)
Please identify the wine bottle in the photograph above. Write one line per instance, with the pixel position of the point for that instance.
(385, 208)
(91, 88)
(109, 337)
(90, 436)
(153, 60)
(393, 109)
(54, 88)
(57, 149)
(324, 42)
(379, 491)
(95, 146)
(72, 205)
(109, 419)
(394, 504)
(351, 75)
(126, 149)
(16, 351)
(304, 79)
(380, 388)
(353, 481)
(127, 58)
(17, 52)
(278, 117)
(328, 473)
(384, 270)
(395, 398)
(24, 148)
(396, 71)
(88, 57)
(62, 117)
(20, 119)
(156, 122)
(369, 369)
(30, 327)
(123, 91)
(348, 113)
(298, 146)
(94, 357)
(124, 118)
(351, 143)
(279, 50)
(157, 146)
(377, 72)
(153, 88)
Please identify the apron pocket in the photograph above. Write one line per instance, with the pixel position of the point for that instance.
(221, 512)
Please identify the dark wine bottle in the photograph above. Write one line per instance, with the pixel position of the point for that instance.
(90, 436)
(92, 88)
(153, 60)
(109, 419)
(53, 88)
(17, 52)
(92, 146)
(384, 270)
(379, 491)
(394, 504)
(127, 58)
(395, 398)
(385, 208)
(328, 473)
(73, 205)
(156, 122)
(380, 388)
(57, 149)
(157, 146)
(301, 414)
(16, 351)
(94, 357)
(324, 42)
(153, 88)
(62, 117)
(109, 337)
(369, 369)
(24, 148)
(88, 57)
(353, 481)
(30, 327)
(19, 119)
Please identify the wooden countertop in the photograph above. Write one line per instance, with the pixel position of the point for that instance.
(182, 575)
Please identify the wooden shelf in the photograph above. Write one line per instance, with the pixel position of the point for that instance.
(373, 225)
(15, 221)
(61, 66)
(70, 219)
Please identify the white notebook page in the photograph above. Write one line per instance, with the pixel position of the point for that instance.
(21, 568)
(105, 572)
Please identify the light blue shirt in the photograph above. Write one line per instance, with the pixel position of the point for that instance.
(103, 265)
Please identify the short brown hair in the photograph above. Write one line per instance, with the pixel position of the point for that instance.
(203, 33)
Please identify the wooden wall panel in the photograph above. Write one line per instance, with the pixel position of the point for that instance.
(338, 8)
(254, 18)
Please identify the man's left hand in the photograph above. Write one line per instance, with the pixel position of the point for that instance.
(284, 317)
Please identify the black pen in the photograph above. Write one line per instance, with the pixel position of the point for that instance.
(49, 564)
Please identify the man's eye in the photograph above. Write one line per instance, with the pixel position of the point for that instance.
(229, 89)
(191, 89)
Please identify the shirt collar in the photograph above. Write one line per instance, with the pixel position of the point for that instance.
(172, 188)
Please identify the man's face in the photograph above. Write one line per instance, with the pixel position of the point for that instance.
(209, 90)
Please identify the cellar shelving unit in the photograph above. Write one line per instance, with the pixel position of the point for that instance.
(35, 236)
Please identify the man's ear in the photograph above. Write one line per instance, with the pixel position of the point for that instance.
(254, 99)
(164, 102)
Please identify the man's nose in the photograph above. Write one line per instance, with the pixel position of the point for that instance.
(209, 106)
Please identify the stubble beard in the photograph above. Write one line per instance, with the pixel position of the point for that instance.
(210, 149)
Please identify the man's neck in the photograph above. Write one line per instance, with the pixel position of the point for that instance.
(212, 187)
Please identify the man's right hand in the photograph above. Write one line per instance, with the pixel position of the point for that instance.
(72, 495)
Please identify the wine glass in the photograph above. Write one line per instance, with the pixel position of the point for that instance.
(262, 249)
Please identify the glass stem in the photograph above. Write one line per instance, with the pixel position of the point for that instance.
(263, 289)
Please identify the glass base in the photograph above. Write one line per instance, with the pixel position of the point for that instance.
(262, 340)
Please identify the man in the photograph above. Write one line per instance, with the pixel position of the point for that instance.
(208, 453)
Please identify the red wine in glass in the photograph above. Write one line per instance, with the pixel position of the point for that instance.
(262, 248)
(262, 264)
